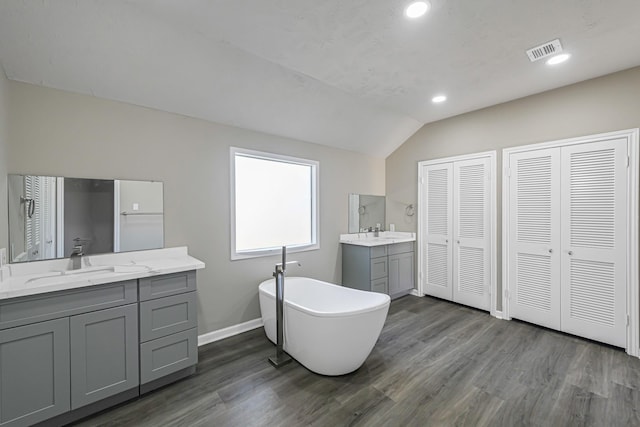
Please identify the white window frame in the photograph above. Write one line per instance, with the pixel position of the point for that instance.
(315, 195)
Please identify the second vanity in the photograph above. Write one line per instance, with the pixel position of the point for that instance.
(382, 263)
(74, 342)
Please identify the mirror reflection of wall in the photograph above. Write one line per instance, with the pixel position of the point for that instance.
(366, 212)
(140, 221)
(49, 216)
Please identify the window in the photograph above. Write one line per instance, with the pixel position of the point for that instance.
(274, 203)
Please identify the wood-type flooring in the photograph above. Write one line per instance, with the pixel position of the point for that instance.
(436, 364)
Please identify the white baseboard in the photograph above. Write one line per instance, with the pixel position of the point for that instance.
(221, 334)
(415, 293)
(498, 315)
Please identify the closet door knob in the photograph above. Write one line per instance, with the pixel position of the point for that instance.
(570, 252)
(458, 241)
(550, 251)
(446, 240)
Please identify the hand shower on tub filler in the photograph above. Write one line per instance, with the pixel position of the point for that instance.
(281, 358)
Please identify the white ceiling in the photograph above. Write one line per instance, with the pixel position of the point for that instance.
(354, 74)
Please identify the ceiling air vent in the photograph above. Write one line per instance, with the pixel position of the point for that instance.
(550, 48)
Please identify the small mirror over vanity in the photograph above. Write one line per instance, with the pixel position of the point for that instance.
(366, 212)
(51, 217)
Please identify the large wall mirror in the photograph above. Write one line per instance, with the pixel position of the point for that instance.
(366, 212)
(50, 216)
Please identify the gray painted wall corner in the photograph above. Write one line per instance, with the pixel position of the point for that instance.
(603, 104)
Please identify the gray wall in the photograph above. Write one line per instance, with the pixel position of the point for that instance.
(59, 133)
(4, 135)
(600, 105)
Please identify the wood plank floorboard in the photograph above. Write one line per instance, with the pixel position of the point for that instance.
(435, 364)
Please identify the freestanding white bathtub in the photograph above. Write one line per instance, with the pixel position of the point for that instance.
(329, 329)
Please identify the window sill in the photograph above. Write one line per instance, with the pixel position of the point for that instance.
(236, 256)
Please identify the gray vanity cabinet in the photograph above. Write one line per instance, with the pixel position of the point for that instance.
(168, 328)
(401, 266)
(34, 372)
(387, 269)
(365, 268)
(64, 350)
(104, 354)
(67, 354)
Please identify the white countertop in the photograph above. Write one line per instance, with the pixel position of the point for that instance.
(384, 238)
(32, 278)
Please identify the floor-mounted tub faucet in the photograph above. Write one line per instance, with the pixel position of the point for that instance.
(281, 358)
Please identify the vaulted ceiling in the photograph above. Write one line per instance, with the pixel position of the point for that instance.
(354, 74)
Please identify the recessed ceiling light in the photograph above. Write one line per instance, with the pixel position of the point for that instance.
(417, 9)
(558, 59)
(438, 99)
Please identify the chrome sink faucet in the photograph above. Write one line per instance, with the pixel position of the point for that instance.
(76, 257)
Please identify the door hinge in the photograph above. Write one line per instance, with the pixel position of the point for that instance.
(628, 320)
(628, 161)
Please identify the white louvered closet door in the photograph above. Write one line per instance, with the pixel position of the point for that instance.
(472, 233)
(438, 196)
(594, 240)
(534, 237)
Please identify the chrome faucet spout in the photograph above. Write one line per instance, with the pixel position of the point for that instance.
(76, 257)
(283, 267)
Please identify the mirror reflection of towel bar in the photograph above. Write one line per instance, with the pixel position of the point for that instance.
(141, 213)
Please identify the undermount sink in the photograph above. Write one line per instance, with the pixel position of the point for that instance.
(54, 278)
(84, 273)
(88, 270)
(124, 268)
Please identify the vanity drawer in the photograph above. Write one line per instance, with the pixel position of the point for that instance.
(378, 251)
(165, 316)
(379, 268)
(168, 284)
(169, 354)
(38, 308)
(380, 285)
(400, 248)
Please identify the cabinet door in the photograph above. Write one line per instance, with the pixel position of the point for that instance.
(401, 277)
(534, 237)
(104, 354)
(437, 218)
(379, 268)
(472, 233)
(594, 237)
(34, 372)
